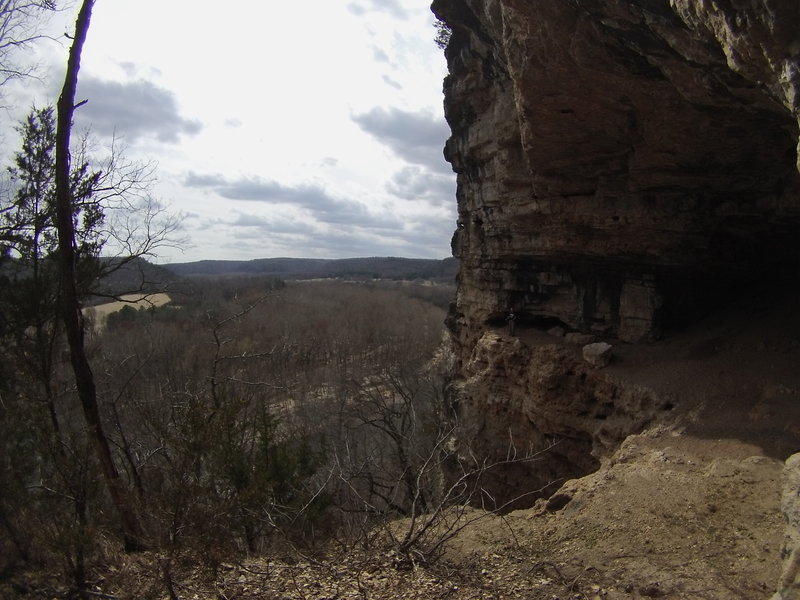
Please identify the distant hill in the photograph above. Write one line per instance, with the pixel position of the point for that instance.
(319, 268)
(120, 278)
(138, 275)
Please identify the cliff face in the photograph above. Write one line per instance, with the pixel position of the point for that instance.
(613, 157)
(623, 168)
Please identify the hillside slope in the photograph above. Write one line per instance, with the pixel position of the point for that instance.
(313, 268)
(688, 508)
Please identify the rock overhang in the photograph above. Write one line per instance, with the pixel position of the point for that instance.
(621, 166)
(624, 169)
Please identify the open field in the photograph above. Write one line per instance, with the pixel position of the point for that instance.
(100, 313)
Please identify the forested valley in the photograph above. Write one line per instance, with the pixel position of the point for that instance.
(247, 416)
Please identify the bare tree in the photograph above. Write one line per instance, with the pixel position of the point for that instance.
(70, 304)
(135, 224)
(21, 24)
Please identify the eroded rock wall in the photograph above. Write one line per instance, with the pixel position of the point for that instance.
(623, 168)
(542, 413)
(620, 165)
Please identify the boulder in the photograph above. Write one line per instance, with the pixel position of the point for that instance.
(598, 355)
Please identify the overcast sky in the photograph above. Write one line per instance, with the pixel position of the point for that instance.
(303, 129)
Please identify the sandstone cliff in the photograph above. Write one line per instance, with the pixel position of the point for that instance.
(624, 170)
(619, 163)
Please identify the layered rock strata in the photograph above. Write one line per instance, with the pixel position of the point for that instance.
(623, 168)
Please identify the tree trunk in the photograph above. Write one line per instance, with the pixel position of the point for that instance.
(70, 306)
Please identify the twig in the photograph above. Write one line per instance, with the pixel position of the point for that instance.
(100, 594)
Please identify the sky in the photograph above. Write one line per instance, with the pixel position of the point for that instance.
(303, 129)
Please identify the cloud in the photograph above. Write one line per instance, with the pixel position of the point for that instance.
(245, 220)
(133, 70)
(201, 181)
(321, 205)
(392, 83)
(423, 230)
(273, 224)
(256, 189)
(274, 234)
(417, 137)
(130, 68)
(359, 242)
(379, 55)
(133, 109)
(363, 7)
(415, 183)
(274, 219)
(313, 198)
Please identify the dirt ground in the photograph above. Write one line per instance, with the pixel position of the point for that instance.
(669, 516)
(689, 508)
